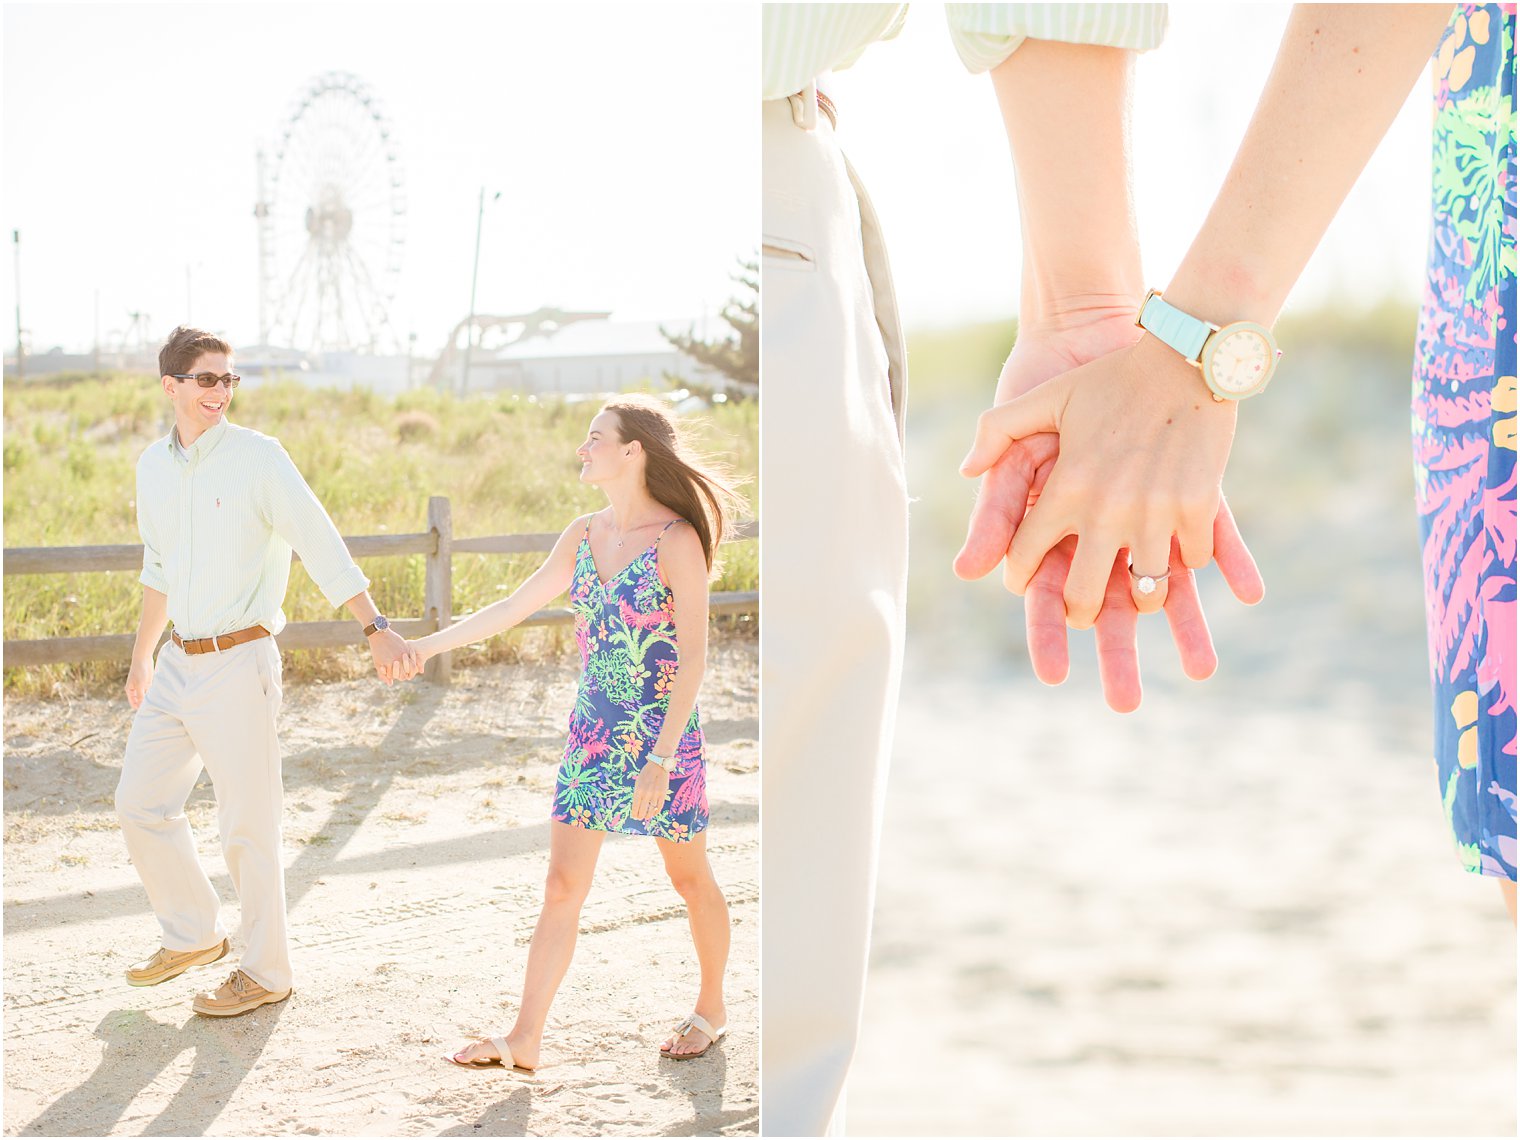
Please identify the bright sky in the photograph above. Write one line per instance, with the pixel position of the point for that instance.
(623, 138)
(927, 140)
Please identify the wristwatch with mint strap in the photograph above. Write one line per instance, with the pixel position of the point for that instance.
(1236, 359)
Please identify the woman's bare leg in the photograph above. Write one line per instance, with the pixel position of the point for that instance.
(707, 911)
(572, 862)
(1508, 887)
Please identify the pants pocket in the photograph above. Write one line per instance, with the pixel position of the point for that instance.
(781, 253)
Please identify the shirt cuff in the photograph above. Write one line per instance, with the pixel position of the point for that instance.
(153, 578)
(987, 34)
(343, 586)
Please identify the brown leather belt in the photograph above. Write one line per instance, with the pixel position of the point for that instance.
(220, 643)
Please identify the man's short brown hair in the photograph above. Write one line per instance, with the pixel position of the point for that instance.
(185, 346)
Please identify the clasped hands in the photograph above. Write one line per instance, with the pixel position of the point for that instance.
(1102, 451)
(395, 658)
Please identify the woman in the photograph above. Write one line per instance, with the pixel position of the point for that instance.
(637, 575)
(1134, 491)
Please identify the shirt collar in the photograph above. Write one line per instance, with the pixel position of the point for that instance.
(203, 444)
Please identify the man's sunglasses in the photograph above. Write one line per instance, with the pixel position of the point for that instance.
(210, 379)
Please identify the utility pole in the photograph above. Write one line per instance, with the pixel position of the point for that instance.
(20, 348)
(469, 329)
(411, 353)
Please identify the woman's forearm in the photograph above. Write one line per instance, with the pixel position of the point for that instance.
(1066, 108)
(496, 618)
(1341, 75)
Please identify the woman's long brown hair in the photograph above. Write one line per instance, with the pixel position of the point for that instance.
(693, 486)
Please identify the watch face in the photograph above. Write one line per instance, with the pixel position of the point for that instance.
(1239, 359)
(380, 623)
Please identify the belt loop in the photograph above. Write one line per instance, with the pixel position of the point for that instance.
(805, 106)
(216, 644)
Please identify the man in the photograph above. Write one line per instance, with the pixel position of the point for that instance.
(835, 364)
(220, 508)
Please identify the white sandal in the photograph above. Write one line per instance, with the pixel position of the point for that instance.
(694, 1021)
(503, 1056)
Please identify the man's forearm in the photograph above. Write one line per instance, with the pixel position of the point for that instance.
(150, 627)
(1066, 108)
(1341, 75)
(363, 607)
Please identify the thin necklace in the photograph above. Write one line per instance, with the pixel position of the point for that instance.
(623, 534)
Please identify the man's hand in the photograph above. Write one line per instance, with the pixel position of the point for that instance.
(392, 656)
(649, 791)
(139, 677)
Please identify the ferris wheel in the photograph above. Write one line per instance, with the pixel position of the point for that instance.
(332, 220)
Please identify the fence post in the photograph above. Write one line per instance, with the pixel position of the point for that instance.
(438, 591)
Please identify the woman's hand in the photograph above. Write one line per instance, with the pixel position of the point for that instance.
(649, 791)
(1143, 447)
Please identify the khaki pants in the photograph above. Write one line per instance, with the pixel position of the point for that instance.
(834, 574)
(215, 710)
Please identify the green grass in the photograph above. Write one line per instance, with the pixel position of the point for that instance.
(506, 464)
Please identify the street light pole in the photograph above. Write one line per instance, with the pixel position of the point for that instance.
(469, 329)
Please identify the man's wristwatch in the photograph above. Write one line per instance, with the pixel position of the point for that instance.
(1236, 359)
(374, 627)
(666, 762)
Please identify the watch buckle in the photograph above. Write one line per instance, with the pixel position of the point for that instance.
(1141, 310)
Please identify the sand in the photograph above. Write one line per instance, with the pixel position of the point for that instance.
(416, 843)
(1234, 912)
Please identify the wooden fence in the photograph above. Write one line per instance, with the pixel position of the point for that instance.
(437, 543)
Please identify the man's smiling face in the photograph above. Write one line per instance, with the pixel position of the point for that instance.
(197, 408)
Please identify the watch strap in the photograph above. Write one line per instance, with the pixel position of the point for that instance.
(666, 762)
(1173, 327)
(375, 627)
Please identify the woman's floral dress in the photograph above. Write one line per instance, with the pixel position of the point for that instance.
(1464, 433)
(626, 631)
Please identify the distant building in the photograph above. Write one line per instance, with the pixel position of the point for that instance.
(584, 358)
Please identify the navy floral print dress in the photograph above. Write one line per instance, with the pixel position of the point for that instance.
(626, 631)
(1464, 434)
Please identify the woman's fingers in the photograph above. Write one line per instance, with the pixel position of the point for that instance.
(1235, 562)
(1195, 532)
(1148, 570)
(1086, 585)
(997, 428)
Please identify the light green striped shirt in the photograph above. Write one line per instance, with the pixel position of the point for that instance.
(218, 522)
(799, 42)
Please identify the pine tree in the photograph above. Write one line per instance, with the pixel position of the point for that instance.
(736, 356)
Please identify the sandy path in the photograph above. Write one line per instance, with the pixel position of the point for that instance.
(416, 839)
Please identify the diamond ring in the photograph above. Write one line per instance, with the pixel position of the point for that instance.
(1146, 583)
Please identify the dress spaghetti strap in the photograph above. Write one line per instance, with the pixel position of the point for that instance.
(666, 527)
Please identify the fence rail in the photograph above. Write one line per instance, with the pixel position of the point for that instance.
(437, 542)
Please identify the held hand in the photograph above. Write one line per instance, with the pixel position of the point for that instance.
(649, 791)
(139, 678)
(393, 662)
(1142, 450)
(419, 652)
